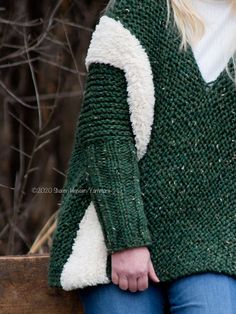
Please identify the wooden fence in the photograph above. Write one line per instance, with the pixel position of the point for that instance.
(24, 288)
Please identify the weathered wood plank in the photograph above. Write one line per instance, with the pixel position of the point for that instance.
(24, 288)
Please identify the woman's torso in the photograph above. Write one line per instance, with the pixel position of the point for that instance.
(188, 174)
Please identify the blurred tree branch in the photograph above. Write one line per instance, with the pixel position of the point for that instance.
(42, 77)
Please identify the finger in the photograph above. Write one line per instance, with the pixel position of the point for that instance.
(152, 273)
(123, 282)
(115, 278)
(142, 282)
(133, 285)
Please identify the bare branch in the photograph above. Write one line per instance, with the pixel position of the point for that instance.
(52, 96)
(58, 171)
(22, 123)
(4, 230)
(28, 24)
(10, 243)
(34, 82)
(38, 40)
(57, 65)
(56, 41)
(22, 235)
(18, 150)
(5, 88)
(54, 104)
(41, 145)
(31, 170)
(74, 25)
(37, 245)
(73, 57)
(6, 186)
(43, 97)
(42, 232)
(13, 64)
(50, 131)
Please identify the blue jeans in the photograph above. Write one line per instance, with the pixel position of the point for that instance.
(202, 293)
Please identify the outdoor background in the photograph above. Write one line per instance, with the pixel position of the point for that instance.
(42, 76)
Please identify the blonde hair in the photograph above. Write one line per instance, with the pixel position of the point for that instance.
(188, 22)
(191, 25)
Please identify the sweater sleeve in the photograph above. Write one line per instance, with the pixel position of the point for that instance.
(106, 136)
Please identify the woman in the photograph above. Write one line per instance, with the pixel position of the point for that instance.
(155, 148)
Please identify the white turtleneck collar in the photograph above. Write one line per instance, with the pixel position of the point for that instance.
(213, 51)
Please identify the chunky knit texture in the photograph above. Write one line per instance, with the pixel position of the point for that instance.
(180, 198)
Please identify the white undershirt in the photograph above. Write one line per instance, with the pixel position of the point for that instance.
(213, 51)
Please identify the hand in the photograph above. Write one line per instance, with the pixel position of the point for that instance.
(131, 269)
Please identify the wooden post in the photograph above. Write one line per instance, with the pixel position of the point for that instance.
(24, 288)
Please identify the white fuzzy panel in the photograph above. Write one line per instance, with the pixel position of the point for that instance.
(113, 44)
(86, 265)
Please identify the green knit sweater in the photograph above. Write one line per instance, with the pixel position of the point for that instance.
(154, 156)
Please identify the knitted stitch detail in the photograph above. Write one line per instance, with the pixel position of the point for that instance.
(184, 186)
(113, 44)
(118, 201)
(107, 158)
(86, 264)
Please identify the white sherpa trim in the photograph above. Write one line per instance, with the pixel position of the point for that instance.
(113, 44)
(86, 266)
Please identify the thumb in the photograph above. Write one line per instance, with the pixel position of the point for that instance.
(152, 273)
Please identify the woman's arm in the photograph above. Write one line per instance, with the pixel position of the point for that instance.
(107, 140)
